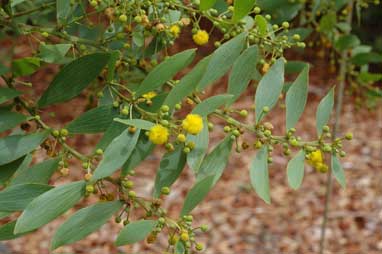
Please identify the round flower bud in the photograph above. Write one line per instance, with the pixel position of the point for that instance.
(181, 138)
(93, 3)
(64, 132)
(227, 128)
(256, 10)
(266, 109)
(285, 25)
(132, 194)
(128, 184)
(178, 106)
(199, 247)
(89, 188)
(88, 176)
(125, 111)
(204, 228)
(123, 18)
(349, 136)
(243, 113)
(165, 108)
(165, 190)
(296, 37)
(55, 133)
(184, 237)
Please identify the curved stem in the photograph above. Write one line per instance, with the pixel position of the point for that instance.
(339, 103)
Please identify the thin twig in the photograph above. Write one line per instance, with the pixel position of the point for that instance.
(337, 120)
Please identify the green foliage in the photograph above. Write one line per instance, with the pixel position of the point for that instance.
(324, 110)
(73, 78)
(135, 231)
(59, 200)
(84, 222)
(10, 149)
(295, 170)
(259, 174)
(269, 89)
(138, 97)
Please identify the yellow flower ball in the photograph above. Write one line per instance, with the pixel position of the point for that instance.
(149, 95)
(175, 30)
(315, 157)
(193, 124)
(200, 37)
(316, 160)
(158, 134)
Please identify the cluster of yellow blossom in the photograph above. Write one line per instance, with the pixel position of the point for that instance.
(158, 134)
(316, 160)
(192, 124)
(201, 37)
(175, 30)
(149, 95)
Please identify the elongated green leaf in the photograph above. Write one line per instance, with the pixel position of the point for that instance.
(14, 147)
(366, 57)
(206, 4)
(259, 174)
(242, 72)
(242, 8)
(7, 170)
(135, 231)
(54, 53)
(165, 71)
(9, 119)
(296, 98)
(221, 60)
(25, 66)
(169, 170)
(324, 110)
(74, 78)
(84, 222)
(187, 84)
(49, 206)
(295, 170)
(7, 94)
(197, 193)
(179, 248)
(115, 55)
(93, 121)
(338, 171)
(269, 89)
(295, 66)
(114, 130)
(138, 123)
(196, 156)
(215, 162)
(62, 11)
(348, 41)
(39, 173)
(210, 104)
(116, 154)
(6, 231)
(261, 24)
(17, 197)
(143, 149)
